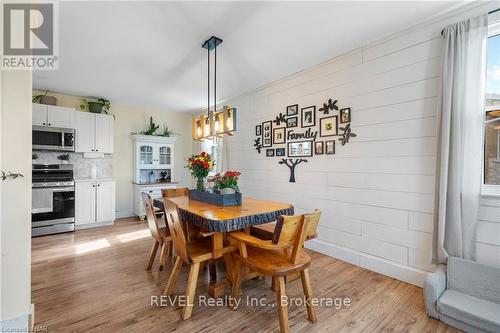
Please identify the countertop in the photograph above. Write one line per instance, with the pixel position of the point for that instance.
(95, 180)
(154, 183)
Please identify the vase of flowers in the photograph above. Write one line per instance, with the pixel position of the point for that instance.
(64, 158)
(226, 183)
(200, 165)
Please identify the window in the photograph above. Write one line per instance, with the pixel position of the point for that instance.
(492, 118)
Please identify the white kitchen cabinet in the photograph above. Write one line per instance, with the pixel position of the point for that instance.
(94, 133)
(53, 116)
(105, 198)
(104, 133)
(85, 203)
(94, 202)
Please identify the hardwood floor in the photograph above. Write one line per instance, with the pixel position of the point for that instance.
(94, 280)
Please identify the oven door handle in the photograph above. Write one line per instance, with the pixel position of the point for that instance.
(63, 189)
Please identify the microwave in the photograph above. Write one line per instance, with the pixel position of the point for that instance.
(53, 138)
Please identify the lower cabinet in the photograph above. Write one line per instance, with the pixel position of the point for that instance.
(94, 202)
(153, 190)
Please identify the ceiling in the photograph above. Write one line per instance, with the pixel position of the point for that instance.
(149, 53)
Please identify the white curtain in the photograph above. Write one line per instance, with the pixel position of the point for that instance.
(461, 148)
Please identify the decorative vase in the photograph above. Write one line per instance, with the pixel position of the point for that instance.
(227, 190)
(200, 184)
(48, 100)
(95, 107)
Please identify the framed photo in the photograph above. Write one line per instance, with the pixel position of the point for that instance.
(328, 126)
(292, 122)
(318, 148)
(345, 115)
(280, 151)
(270, 152)
(258, 130)
(330, 147)
(300, 149)
(292, 110)
(279, 135)
(308, 116)
(267, 131)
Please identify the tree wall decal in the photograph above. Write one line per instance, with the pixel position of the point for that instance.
(291, 164)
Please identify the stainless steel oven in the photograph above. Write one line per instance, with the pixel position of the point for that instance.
(53, 199)
(53, 138)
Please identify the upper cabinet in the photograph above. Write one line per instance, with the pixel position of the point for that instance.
(53, 116)
(94, 133)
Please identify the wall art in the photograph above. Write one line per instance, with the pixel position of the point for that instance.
(258, 130)
(308, 116)
(279, 135)
(291, 164)
(329, 106)
(257, 145)
(345, 115)
(292, 110)
(328, 126)
(292, 122)
(267, 131)
(309, 134)
(279, 119)
(270, 152)
(280, 151)
(330, 147)
(300, 149)
(318, 148)
(347, 134)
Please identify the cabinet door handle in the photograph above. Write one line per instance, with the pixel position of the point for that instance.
(44, 124)
(93, 185)
(50, 124)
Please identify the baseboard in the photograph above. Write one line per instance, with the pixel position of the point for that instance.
(404, 273)
(93, 225)
(124, 213)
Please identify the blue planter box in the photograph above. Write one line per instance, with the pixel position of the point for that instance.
(216, 198)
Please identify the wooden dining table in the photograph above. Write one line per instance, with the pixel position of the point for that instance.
(217, 220)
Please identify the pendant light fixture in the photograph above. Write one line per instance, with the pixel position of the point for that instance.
(214, 123)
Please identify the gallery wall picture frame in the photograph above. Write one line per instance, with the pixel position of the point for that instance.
(292, 122)
(328, 126)
(292, 110)
(345, 115)
(258, 130)
(270, 152)
(280, 151)
(319, 148)
(308, 116)
(330, 147)
(300, 149)
(267, 134)
(279, 135)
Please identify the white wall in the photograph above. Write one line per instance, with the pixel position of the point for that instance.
(15, 202)
(377, 192)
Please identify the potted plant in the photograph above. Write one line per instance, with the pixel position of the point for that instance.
(99, 106)
(64, 158)
(34, 157)
(151, 130)
(226, 183)
(44, 99)
(200, 165)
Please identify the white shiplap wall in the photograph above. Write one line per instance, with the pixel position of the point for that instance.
(376, 193)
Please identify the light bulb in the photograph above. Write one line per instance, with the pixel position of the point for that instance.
(229, 122)
(207, 127)
(216, 123)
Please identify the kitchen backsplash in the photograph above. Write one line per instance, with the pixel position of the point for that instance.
(81, 165)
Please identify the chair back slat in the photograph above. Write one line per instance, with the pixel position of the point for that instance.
(286, 229)
(176, 230)
(312, 225)
(174, 192)
(151, 217)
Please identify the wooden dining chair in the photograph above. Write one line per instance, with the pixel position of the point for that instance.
(160, 235)
(194, 253)
(278, 258)
(174, 192)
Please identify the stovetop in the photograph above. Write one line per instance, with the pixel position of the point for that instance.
(52, 173)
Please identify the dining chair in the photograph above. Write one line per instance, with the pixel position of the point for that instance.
(174, 192)
(278, 258)
(160, 235)
(194, 253)
(266, 231)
